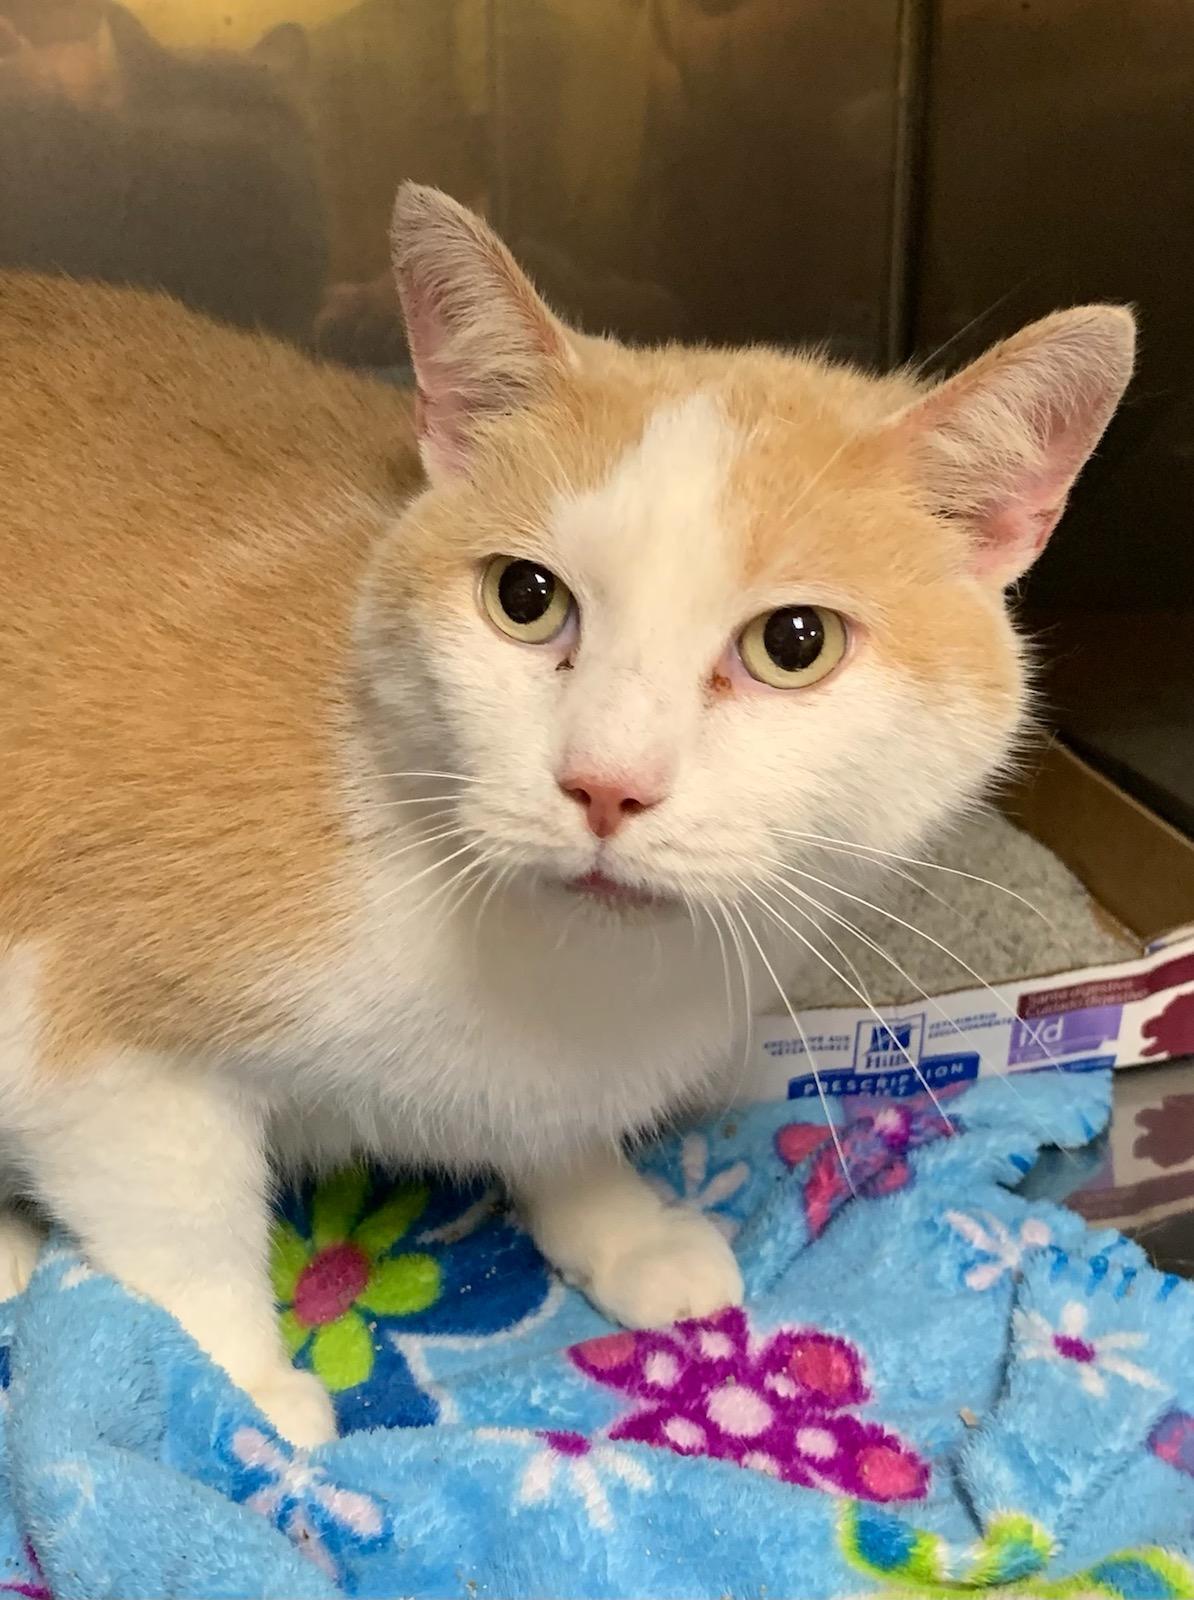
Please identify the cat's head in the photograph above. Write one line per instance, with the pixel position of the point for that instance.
(665, 612)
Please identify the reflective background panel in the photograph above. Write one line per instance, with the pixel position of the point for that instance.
(719, 168)
(1059, 161)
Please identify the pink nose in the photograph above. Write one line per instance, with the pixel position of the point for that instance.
(608, 804)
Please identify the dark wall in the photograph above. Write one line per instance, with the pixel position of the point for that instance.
(715, 168)
(1059, 167)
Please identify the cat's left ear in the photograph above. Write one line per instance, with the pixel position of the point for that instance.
(482, 342)
(1000, 445)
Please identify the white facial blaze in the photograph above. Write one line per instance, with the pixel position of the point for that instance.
(652, 555)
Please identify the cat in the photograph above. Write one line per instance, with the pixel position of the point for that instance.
(396, 775)
(129, 163)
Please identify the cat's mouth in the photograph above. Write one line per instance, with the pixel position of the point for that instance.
(598, 886)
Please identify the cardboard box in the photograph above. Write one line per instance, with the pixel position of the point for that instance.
(1137, 868)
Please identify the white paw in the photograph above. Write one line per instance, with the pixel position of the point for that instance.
(20, 1245)
(680, 1267)
(297, 1405)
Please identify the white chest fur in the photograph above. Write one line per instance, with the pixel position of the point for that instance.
(506, 1040)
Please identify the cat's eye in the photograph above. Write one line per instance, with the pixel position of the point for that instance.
(793, 647)
(524, 599)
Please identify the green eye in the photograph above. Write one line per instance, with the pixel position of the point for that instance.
(793, 647)
(524, 600)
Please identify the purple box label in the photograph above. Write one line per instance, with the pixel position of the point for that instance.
(1072, 1033)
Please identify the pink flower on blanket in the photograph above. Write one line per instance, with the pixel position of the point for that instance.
(1172, 1440)
(874, 1152)
(777, 1405)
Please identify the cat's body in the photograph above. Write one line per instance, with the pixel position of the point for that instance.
(119, 795)
(242, 635)
(124, 162)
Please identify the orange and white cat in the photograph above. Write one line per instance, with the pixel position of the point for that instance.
(392, 784)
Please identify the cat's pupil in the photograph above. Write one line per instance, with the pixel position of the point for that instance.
(794, 637)
(525, 591)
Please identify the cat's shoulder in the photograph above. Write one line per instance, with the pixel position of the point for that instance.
(141, 362)
(45, 312)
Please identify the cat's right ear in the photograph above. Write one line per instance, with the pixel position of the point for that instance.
(1001, 443)
(285, 51)
(482, 342)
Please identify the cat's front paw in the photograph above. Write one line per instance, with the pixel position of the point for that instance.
(297, 1405)
(680, 1267)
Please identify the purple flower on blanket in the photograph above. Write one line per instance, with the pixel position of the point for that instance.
(1172, 1440)
(779, 1405)
(874, 1152)
(1089, 1357)
(321, 1518)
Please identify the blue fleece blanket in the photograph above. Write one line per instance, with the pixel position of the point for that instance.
(936, 1386)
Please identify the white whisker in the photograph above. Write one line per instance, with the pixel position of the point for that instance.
(744, 969)
(410, 882)
(884, 866)
(453, 832)
(848, 846)
(916, 369)
(725, 968)
(690, 912)
(734, 1084)
(418, 800)
(807, 489)
(478, 871)
(566, 925)
(921, 934)
(934, 1005)
(442, 889)
(454, 777)
(500, 879)
(860, 994)
(796, 1023)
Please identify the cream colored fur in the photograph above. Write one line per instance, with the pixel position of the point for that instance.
(285, 865)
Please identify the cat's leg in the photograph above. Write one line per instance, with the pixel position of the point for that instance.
(21, 1239)
(22, 1234)
(642, 1261)
(162, 1175)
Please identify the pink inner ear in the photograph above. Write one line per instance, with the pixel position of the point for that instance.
(1015, 526)
(440, 443)
(433, 420)
(453, 385)
(440, 425)
(1012, 533)
(481, 341)
(1001, 443)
